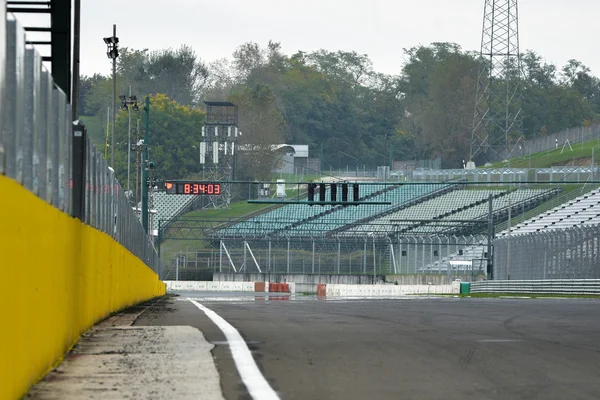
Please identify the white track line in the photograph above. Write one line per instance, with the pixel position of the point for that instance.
(255, 382)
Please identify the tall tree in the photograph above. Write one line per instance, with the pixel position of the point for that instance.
(175, 134)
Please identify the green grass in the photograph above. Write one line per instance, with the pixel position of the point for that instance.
(237, 209)
(580, 155)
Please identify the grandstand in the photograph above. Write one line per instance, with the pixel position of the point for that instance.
(414, 209)
(170, 207)
(300, 220)
(439, 214)
(582, 210)
(399, 196)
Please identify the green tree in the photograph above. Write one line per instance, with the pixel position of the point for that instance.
(262, 126)
(175, 134)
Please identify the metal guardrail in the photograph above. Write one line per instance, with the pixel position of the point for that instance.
(549, 286)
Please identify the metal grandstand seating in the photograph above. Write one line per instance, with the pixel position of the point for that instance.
(347, 216)
(519, 199)
(444, 205)
(170, 206)
(273, 220)
(582, 210)
(298, 219)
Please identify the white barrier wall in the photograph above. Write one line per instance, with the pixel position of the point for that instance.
(210, 286)
(390, 290)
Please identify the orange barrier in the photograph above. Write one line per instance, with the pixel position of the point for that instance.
(321, 290)
(279, 287)
(259, 286)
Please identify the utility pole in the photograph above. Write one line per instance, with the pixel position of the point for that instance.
(114, 104)
(137, 167)
(145, 165)
(127, 103)
(112, 52)
(106, 146)
(129, 145)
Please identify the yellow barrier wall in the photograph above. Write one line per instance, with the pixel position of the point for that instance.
(59, 277)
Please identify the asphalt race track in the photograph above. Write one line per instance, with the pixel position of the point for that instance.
(417, 348)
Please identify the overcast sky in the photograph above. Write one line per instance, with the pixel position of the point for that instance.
(556, 29)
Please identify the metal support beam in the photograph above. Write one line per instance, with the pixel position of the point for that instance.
(490, 237)
(60, 34)
(145, 165)
(78, 168)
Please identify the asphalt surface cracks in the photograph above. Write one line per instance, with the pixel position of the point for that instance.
(443, 348)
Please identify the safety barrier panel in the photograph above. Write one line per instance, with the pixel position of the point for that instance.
(550, 286)
(72, 251)
(62, 277)
(385, 290)
(224, 286)
(210, 286)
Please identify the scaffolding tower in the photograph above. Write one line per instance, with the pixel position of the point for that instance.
(218, 149)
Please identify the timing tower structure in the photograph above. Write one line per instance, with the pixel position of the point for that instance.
(497, 124)
(218, 149)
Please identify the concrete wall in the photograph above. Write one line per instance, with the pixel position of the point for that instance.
(61, 277)
(299, 278)
(442, 279)
(308, 283)
(389, 290)
(203, 286)
(223, 286)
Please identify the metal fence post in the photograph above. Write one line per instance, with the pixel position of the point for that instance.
(288, 255)
(313, 255)
(79, 170)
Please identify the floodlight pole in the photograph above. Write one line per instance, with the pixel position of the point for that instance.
(128, 143)
(144, 182)
(114, 102)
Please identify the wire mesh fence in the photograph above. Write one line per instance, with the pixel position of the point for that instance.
(442, 228)
(571, 253)
(414, 255)
(36, 150)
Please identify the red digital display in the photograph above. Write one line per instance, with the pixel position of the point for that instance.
(194, 188)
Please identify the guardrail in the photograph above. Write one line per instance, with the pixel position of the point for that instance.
(548, 286)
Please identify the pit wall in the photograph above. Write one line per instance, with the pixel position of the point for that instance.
(61, 277)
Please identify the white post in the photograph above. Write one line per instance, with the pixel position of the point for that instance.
(221, 256)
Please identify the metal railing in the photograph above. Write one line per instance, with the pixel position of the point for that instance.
(556, 286)
(36, 149)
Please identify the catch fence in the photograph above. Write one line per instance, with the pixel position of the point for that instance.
(38, 149)
(414, 255)
(571, 253)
